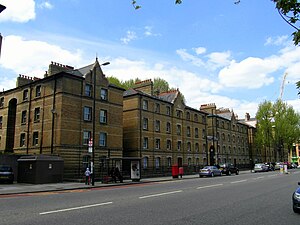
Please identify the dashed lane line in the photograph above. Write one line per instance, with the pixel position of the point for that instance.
(75, 208)
(160, 194)
(209, 186)
(238, 181)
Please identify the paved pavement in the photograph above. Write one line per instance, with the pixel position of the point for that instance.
(22, 188)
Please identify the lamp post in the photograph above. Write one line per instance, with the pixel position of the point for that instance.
(93, 72)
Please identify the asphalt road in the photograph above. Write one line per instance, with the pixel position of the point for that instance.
(252, 198)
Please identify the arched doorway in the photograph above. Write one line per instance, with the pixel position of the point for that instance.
(179, 160)
(11, 122)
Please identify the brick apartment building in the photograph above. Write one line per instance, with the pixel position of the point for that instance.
(54, 116)
(57, 115)
(229, 139)
(161, 130)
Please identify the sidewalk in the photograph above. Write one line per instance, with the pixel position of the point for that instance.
(22, 188)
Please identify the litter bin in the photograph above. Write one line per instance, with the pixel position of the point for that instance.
(175, 171)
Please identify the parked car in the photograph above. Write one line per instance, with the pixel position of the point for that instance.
(260, 167)
(296, 200)
(270, 166)
(294, 166)
(278, 165)
(228, 169)
(6, 174)
(210, 171)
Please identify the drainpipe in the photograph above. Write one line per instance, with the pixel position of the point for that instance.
(53, 115)
(141, 128)
(28, 123)
(43, 117)
(206, 142)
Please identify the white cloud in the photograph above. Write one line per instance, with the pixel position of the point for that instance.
(196, 89)
(185, 56)
(214, 60)
(249, 73)
(218, 59)
(7, 83)
(293, 72)
(18, 11)
(199, 50)
(279, 40)
(295, 104)
(257, 72)
(131, 35)
(31, 57)
(45, 5)
(148, 31)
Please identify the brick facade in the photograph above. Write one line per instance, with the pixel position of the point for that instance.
(163, 131)
(50, 116)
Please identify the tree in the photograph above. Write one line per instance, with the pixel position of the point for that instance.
(298, 87)
(264, 127)
(129, 83)
(115, 81)
(160, 85)
(277, 129)
(289, 10)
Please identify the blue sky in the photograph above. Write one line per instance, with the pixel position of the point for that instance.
(214, 51)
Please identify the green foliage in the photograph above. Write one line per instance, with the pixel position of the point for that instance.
(135, 6)
(159, 84)
(129, 83)
(289, 10)
(263, 117)
(124, 84)
(298, 87)
(115, 81)
(278, 125)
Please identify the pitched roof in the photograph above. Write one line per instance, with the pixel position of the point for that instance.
(169, 96)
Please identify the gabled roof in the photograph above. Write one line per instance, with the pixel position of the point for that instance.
(86, 69)
(169, 96)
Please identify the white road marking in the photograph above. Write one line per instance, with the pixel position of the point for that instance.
(238, 181)
(75, 208)
(209, 186)
(273, 175)
(160, 194)
(258, 178)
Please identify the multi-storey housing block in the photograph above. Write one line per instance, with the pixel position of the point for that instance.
(161, 130)
(59, 115)
(228, 138)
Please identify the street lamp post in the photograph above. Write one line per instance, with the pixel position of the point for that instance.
(93, 73)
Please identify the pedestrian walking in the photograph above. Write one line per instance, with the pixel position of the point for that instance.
(118, 174)
(113, 175)
(87, 174)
